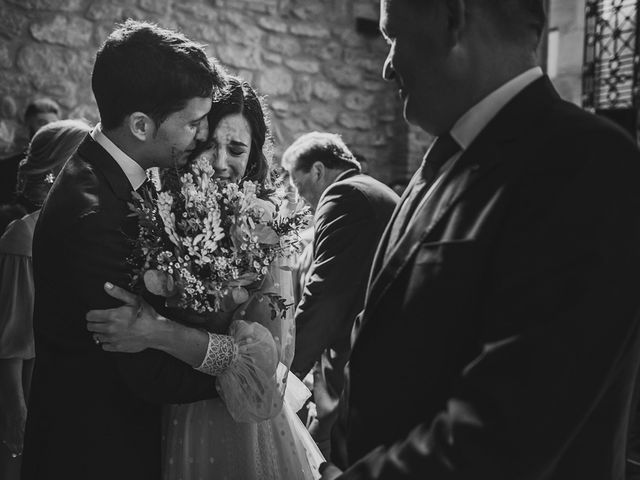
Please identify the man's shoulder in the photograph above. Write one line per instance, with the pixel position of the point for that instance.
(365, 186)
(80, 189)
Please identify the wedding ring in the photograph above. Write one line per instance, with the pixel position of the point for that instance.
(96, 339)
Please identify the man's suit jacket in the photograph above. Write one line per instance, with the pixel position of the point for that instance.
(93, 414)
(499, 338)
(350, 218)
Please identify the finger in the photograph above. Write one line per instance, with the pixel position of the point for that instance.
(98, 327)
(121, 294)
(110, 347)
(98, 315)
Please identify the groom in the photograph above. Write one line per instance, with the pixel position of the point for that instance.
(93, 414)
(499, 337)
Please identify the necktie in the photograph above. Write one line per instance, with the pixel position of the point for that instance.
(442, 150)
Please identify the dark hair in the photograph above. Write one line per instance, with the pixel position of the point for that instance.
(144, 68)
(41, 105)
(50, 148)
(239, 97)
(326, 148)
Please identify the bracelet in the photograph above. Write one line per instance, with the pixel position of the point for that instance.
(221, 352)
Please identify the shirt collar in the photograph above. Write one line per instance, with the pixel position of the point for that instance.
(134, 172)
(469, 125)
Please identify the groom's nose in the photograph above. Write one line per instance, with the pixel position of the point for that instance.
(203, 130)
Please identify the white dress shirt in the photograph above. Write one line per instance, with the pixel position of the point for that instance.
(471, 123)
(134, 172)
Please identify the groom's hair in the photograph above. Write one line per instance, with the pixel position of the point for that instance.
(144, 68)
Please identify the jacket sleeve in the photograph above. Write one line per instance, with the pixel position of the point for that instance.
(101, 255)
(345, 238)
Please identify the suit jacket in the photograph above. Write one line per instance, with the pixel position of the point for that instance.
(499, 338)
(93, 414)
(349, 222)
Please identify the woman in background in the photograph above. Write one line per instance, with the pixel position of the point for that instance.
(48, 151)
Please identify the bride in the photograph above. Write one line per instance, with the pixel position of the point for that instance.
(251, 431)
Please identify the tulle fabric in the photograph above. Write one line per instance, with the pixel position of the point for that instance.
(16, 289)
(251, 431)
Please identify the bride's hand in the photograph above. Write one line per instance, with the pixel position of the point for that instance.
(128, 328)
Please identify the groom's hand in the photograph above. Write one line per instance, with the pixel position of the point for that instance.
(127, 328)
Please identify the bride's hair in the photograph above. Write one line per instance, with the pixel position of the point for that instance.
(50, 148)
(239, 97)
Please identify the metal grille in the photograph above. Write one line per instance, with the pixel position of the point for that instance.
(610, 76)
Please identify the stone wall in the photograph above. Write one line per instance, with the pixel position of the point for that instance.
(316, 70)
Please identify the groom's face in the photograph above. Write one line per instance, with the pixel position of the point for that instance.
(179, 134)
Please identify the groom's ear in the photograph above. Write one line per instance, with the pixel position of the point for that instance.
(141, 126)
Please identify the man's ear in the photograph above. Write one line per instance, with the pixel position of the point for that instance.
(141, 126)
(318, 171)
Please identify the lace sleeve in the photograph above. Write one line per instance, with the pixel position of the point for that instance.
(221, 352)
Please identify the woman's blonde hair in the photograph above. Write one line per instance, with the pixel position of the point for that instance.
(50, 148)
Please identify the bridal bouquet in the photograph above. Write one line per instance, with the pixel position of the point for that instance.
(205, 244)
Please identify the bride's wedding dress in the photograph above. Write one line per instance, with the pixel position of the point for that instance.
(252, 431)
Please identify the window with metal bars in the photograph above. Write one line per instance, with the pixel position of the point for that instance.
(611, 60)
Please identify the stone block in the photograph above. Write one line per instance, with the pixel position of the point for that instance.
(355, 120)
(310, 11)
(280, 107)
(326, 91)
(198, 11)
(156, 6)
(304, 66)
(8, 107)
(62, 30)
(272, 57)
(375, 86)
(247, 35)
(275, 81)
(309, 30)
(201, 31)
(239, 56)
(343, 74)
(295, 125)
(44, 60)
(56, 5)
(62, 90)
(6, 57)
(368, 10)
(303, 88)
(273, 24)
(330, 51)
(286, 46)
(12, 22)
(87, 112)
(15, 84)
(359, 101)
(101, 10)
(324, 115)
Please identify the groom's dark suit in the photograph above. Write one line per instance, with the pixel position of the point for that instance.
(92, 414)
(499, 337)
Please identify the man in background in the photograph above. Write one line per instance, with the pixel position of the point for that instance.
(38, 113)
(351, 212)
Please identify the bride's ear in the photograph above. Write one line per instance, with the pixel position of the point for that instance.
(141, 126)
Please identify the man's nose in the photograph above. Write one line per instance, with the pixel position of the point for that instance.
(203, 130)
(388, 73)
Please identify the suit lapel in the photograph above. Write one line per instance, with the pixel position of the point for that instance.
(384, 240)
(92, 153)
(485, 154)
